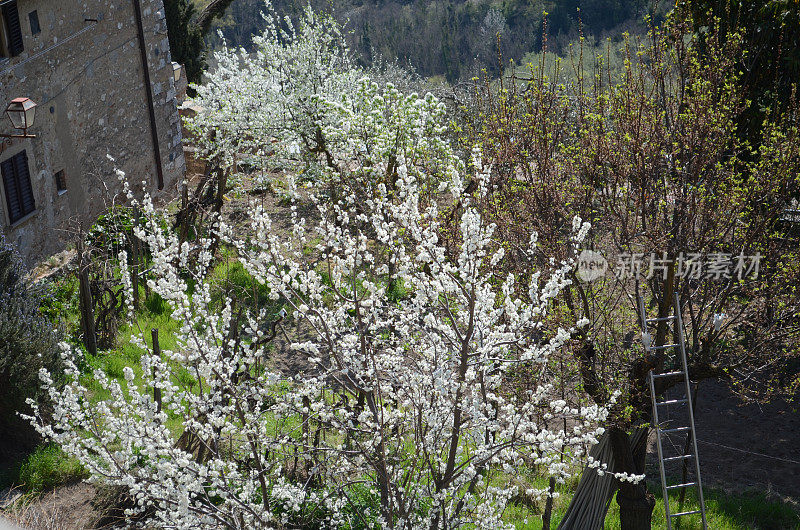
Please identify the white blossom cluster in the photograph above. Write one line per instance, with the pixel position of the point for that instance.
(298, 101)
(405, 399)
(275, 101)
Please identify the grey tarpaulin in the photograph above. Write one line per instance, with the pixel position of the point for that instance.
(588, 507)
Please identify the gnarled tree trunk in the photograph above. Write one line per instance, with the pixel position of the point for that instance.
(635, 502)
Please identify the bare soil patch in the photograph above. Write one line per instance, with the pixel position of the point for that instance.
(65, 508)
(743, 446)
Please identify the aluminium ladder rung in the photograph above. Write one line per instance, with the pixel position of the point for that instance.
(661, 319)
(675, 429)
(684, 513)
(668, 374)
(672, 402)
(663, 346)
(684, 485)
(682, 457)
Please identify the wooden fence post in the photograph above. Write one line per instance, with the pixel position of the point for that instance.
(134, 266)
(85, 296)
(184, 216)
(139, 253)
(157, 353)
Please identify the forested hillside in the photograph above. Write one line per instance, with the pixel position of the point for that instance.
(453, 38)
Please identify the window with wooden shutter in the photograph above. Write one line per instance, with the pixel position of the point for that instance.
(17, 186)
(12, 27)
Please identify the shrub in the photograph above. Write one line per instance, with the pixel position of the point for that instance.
(47, 467)
(29, 344)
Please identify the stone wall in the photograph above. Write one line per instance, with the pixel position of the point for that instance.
(84, 70)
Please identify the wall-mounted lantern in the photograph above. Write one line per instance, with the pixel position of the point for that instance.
(176, 71)
(21, 112)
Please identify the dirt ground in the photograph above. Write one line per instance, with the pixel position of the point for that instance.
(68, 507)
(729, 434)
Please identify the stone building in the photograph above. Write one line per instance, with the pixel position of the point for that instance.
(101, 75)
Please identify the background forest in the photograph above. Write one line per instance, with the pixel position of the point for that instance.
(453, 39)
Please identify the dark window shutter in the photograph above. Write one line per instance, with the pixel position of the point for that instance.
(11, 17)
(24, 183)
(17, 183)
(12, 194)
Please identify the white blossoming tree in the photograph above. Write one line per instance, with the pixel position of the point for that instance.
(403, 416)
(275, 101)
(404, 397)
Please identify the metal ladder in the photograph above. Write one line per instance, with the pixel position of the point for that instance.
(677, 322)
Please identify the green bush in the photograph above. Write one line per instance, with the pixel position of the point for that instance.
(61, 304)
(47, 467)
(29, 343)
(112, 230)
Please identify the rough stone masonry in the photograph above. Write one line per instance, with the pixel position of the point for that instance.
(81, 62)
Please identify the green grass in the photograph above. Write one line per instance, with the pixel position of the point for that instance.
(154, 313)
(47, 467)
(751, 510)
(230, 280)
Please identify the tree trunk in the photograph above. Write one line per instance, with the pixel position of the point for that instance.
(636, 512)
(635, 502)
